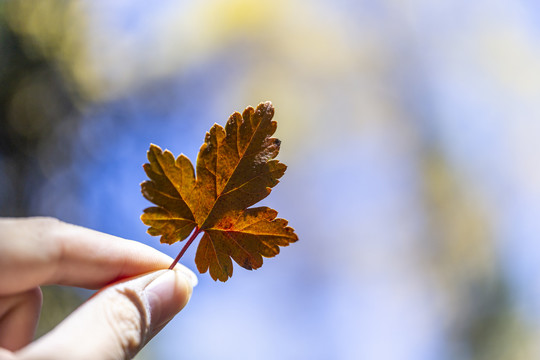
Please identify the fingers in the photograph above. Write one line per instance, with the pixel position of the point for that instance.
(19, 315)
(117, 321)
(37, 251)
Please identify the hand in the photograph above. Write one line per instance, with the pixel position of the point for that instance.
(137, 299)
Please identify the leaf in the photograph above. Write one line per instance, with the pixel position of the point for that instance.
(236, 168)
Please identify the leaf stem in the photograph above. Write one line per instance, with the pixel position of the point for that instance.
(181, 253)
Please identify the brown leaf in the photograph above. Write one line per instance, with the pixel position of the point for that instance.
(235, 170)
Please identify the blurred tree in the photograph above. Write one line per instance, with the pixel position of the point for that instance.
(481, 317)
(37, 119)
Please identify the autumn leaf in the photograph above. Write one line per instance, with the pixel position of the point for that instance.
(236, 168)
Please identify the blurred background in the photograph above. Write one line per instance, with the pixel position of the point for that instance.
(410, 128)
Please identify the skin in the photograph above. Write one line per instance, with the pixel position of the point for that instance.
(136, 297)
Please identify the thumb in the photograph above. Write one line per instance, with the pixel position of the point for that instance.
(119, 320)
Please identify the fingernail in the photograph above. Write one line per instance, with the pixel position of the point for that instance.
(167, 295)
(192, 278)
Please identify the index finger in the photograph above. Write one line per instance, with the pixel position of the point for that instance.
(40, 251)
